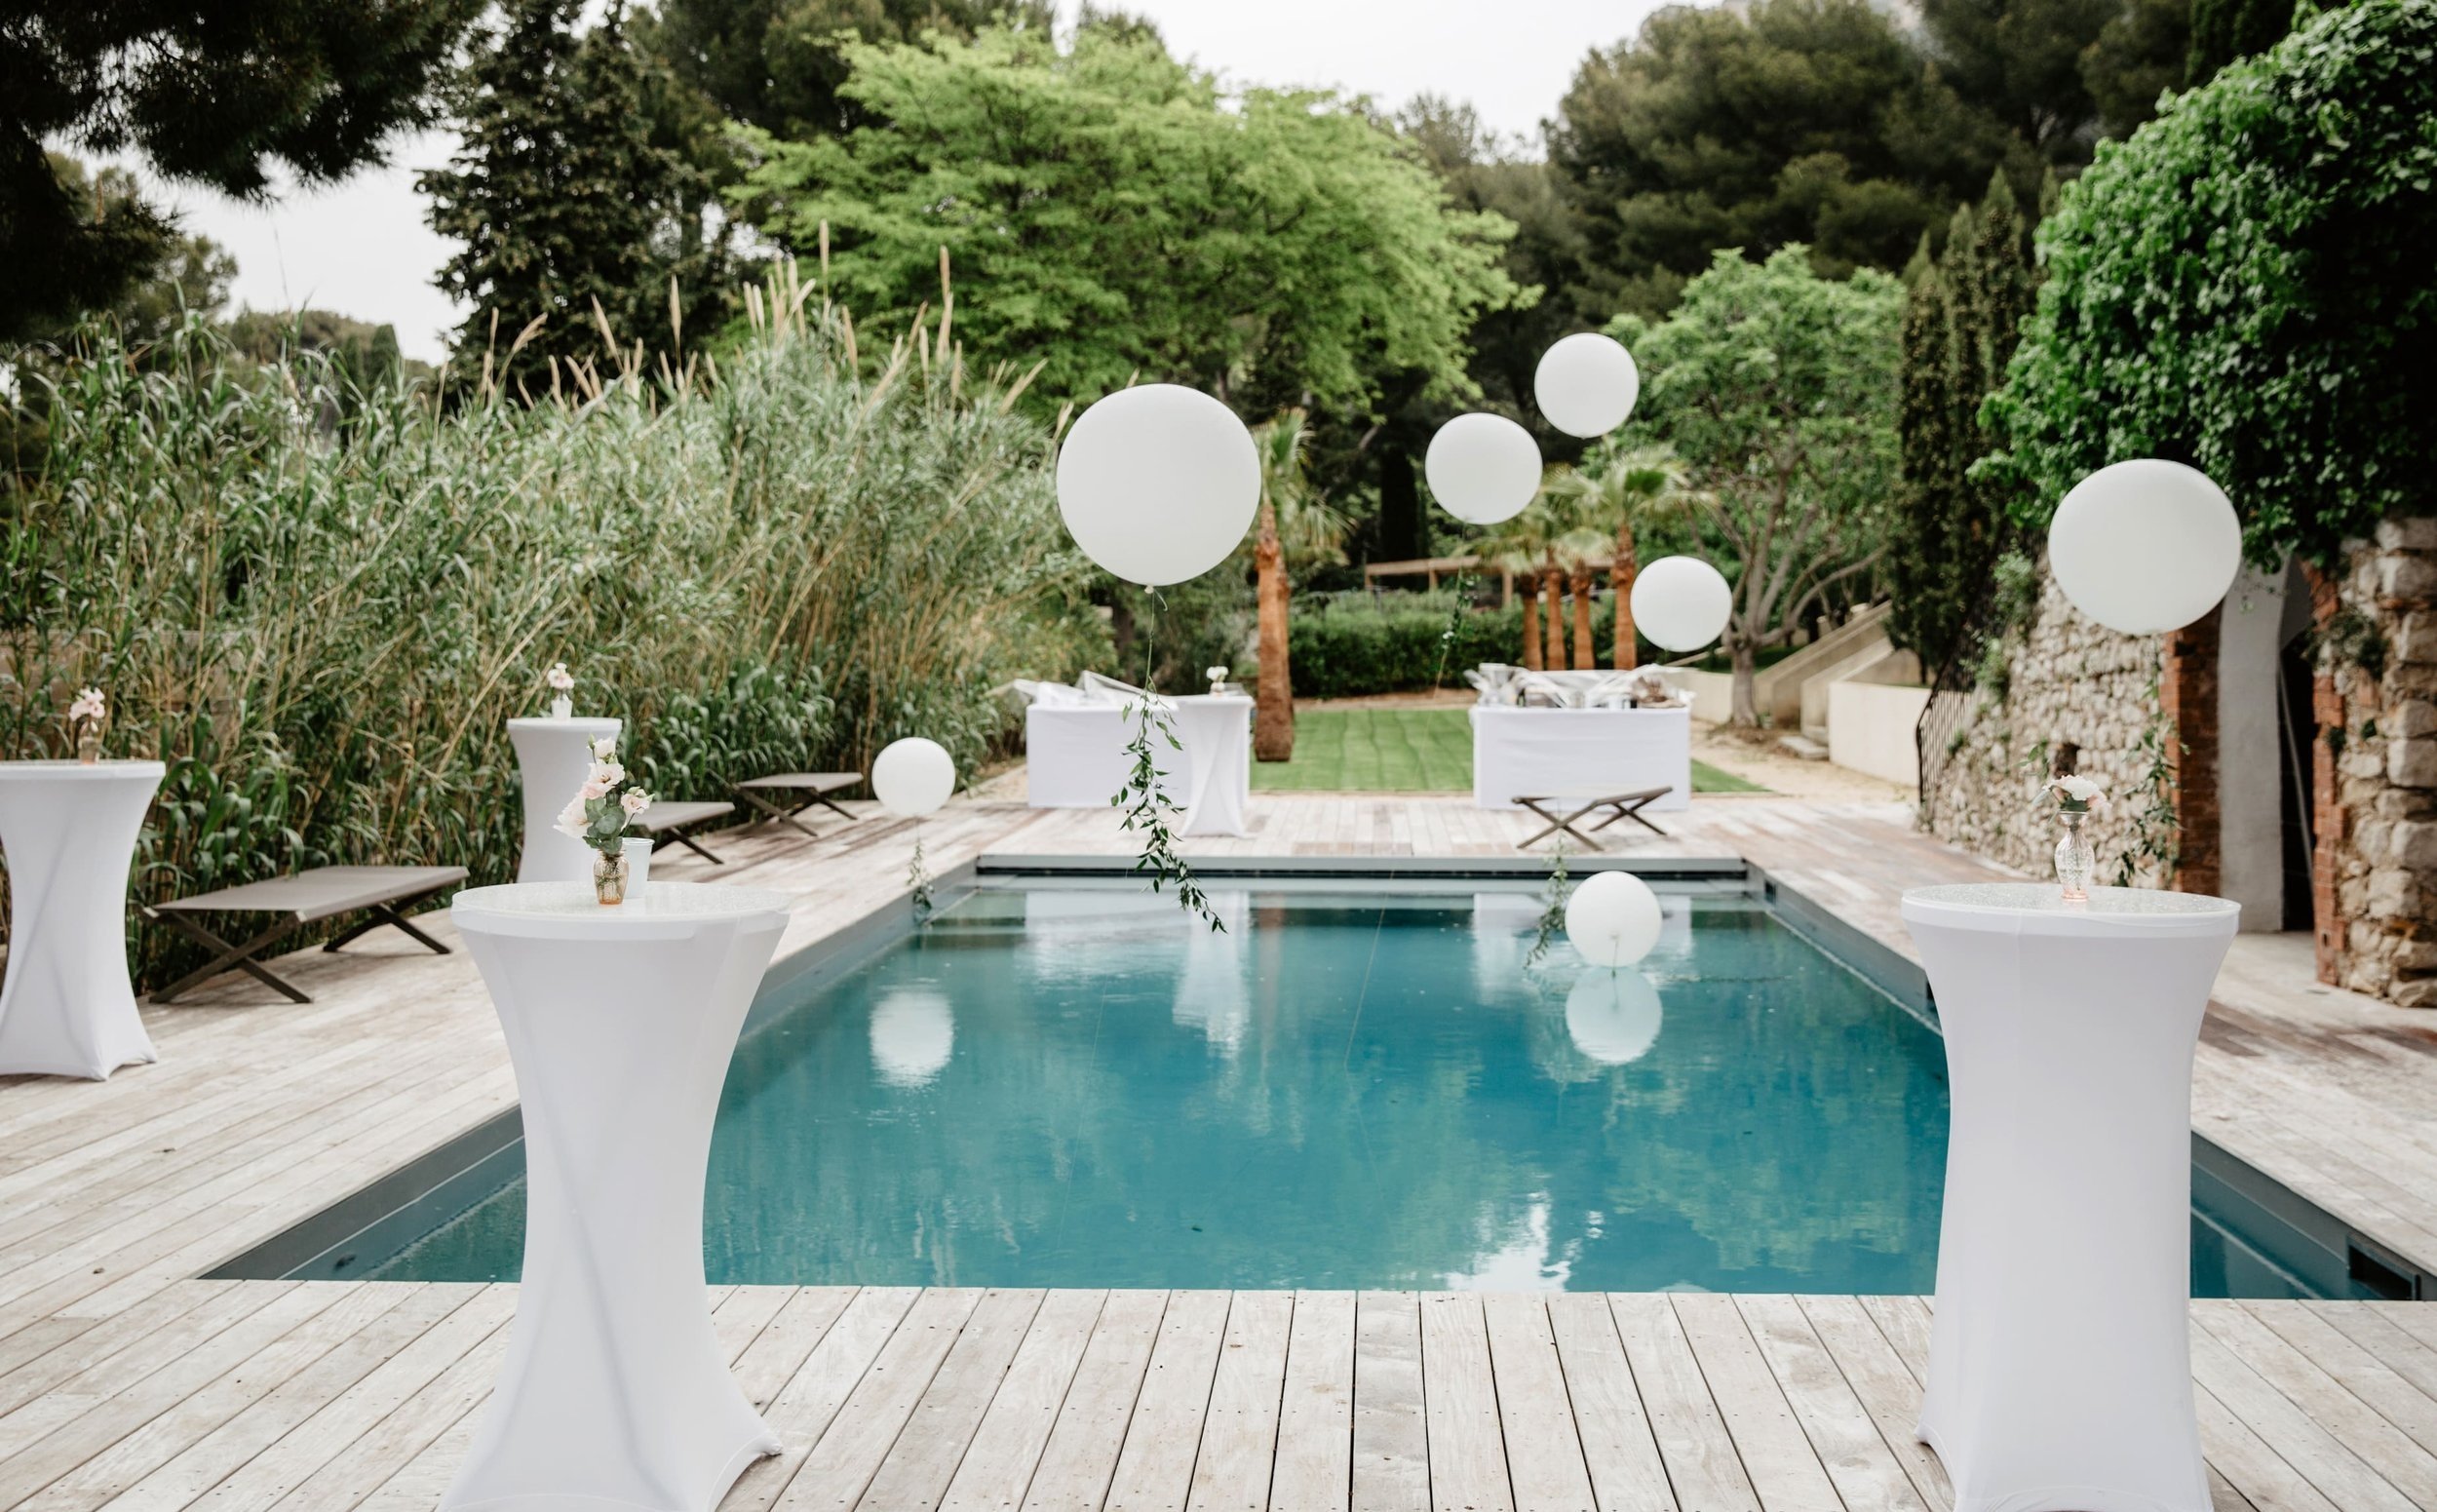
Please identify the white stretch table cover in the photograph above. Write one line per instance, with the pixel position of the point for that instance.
(620, 1023)
(1075, 757)
(1528, 751)
(554, 755)
(69, 1007)
(2059, 1359)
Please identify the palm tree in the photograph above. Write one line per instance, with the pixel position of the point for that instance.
(1619, 489)
(1297, 528)
(1526, 546)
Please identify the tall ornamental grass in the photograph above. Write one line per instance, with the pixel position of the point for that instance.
(320, 604)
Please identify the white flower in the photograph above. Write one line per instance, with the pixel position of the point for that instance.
(605, 749)
(571, 821)
(1215, 674)
(608, 773)
(594, 788)
(559, 677)
(2075, 790)
(88, 705)
(634, 800)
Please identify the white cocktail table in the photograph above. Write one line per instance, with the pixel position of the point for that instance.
(69, 1007)
(2060, 1358)
(554, 755)
(620, 1023)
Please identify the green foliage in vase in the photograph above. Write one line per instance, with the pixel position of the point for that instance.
(1961, 315)
(324, 632)
(1777, 391)
(222, 95)
(2246, 286)
(565, 205)
(1111, 215)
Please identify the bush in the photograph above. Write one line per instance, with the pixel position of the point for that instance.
(1362, 644)
(322, 624)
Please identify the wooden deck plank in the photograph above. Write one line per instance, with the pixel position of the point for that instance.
(1545, 1462)
(1090, 1433)
(1240, 1431)
(1008, 1445)
(2299, 1409)
(1784, 1470)
(1154, 1470)
(1391, 1424)
(1627, 1474)
(1886, 1389)
(1691, 1430)
(1459, 1398)
(1859, 1462)
(915, 1476)
(1315, 1460)
(808, 1404)
(876, 1412)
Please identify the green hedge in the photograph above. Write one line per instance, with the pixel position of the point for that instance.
(1396, 643)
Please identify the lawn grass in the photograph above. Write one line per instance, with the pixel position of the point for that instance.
(1402, 750)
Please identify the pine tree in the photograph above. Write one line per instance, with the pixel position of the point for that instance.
(1962, 317)
(564, 202)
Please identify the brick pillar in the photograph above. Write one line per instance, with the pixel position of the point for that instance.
(2326, 811)
(2187, 693)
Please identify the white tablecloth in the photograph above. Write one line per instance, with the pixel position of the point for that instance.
(620, 1023)
(554, 755)
(1517, 751)
(68, 1008)
(1075, 757)
(2060, 1361)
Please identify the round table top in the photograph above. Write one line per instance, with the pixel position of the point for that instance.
(103, 770)
(566, 910)
(590, 723)
(2039, 907)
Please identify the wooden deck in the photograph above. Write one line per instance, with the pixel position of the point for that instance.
(126, 1383)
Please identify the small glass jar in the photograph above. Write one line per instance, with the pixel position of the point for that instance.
(89, 743)
(609, 877)
(2073, 857)
(563, 708)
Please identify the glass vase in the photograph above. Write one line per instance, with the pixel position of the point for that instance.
(609, 877)
(88, 746)
(563, 708)
(2073, 856)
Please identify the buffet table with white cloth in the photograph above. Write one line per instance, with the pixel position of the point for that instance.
(554, 757)
(2060, 1360)
(69, 831)
(1519, 751)
(1076, 757)
(620, 1023)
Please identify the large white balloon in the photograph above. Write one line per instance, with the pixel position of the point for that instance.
(2144, 547)
(1680, 603)
(1586, 384)
(914, 777)
(1614, 918)
(1613, 1016)
(1483, 468)
(1158, 483)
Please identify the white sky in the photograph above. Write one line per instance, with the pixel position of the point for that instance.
(362, 248)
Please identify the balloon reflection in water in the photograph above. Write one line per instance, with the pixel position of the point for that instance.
(913, 1031)
(1613, 1016)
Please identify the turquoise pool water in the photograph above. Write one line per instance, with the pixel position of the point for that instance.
(1068, 1084)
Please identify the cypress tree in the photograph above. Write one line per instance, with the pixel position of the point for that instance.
(563, 199)
(1962, 317)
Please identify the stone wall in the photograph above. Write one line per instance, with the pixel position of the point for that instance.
(2375, 830)
(2066, 678)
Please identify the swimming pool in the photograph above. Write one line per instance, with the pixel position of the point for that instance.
(1063, 1081)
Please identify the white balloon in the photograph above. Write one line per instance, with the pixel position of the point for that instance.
(913, 1032)
(1680, 603)
(1613, 1016)
(1483, 468)
(914, 777)
(1586, 384)
(1614, 918)
(1158, 483)
(2144, 547)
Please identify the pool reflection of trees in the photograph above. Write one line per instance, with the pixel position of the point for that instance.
(1071, 1088)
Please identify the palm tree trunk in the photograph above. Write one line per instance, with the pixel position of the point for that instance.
(1273, 716)
(1620, 574)
(1580, 585)
(1530, 621)
(1552, 583)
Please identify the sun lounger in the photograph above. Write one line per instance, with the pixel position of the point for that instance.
(805, 788)
(1581, 805)
(384, 893)
(668, 824)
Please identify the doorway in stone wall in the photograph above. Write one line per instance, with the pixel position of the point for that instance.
(2296, 730)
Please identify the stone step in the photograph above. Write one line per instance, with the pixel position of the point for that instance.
(1802, 746)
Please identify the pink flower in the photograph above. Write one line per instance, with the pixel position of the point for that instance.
(88, 705)
(559, 677)
(571, 821)
(594, 788)
(634, 800)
